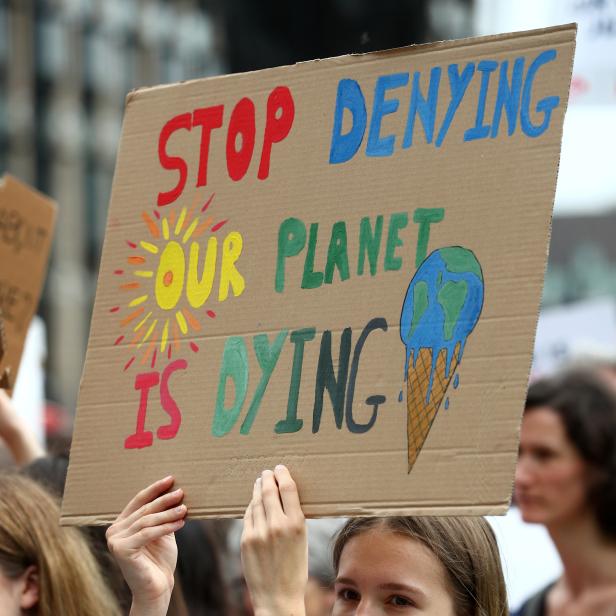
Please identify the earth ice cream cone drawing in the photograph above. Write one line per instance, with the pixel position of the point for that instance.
(441, 308)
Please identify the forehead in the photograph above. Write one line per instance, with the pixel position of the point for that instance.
(543, 422)
(379, 556)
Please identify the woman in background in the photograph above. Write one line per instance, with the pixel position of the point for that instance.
(45, 569)
(566, 480)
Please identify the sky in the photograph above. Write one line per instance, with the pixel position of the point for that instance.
(587, 174)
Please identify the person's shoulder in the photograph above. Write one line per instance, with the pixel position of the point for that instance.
(535, 605)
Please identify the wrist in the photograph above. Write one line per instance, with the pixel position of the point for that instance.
(156, 607)
(12, 430)
(282, 608)
(21, 442)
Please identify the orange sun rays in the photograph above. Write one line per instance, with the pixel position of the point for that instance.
(151, 328)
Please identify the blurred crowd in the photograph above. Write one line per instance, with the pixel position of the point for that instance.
(154, 559)
(565, 480)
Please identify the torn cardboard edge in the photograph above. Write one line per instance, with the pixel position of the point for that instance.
(322, 511)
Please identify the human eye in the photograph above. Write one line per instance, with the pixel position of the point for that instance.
(543, 454)
(348, 594)
(400, 601)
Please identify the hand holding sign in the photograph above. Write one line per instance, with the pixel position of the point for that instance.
(275, 546)
(143, 543)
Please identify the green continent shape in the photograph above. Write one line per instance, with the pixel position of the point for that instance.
(420, 304)
(451, 297)
(460, 260)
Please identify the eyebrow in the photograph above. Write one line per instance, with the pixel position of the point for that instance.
(403, 587)
(389, 586)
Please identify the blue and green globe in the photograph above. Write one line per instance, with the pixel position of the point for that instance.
(442, 306)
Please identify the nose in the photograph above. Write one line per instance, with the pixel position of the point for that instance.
(364, 608)
(523, 472)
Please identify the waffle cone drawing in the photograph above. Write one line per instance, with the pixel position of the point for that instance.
(421, 414)
(441, 307)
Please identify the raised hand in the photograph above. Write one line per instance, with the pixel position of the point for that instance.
(16, 435)
(142, 541)
(275, 547)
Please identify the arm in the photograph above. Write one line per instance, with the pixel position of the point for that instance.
(142, 541)
(16, 435)
(274, 546)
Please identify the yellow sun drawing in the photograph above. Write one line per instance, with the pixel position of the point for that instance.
(162, 282)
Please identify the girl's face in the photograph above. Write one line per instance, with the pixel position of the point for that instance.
(551, 480)
(382, 572)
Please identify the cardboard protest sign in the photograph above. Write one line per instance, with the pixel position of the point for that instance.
(335, 265)
(27, 220)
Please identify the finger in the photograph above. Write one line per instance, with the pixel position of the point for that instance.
(288, 492)
(5, 401)
(271, 496)
(6, 405)
(146, 495)
(157, 519)
(147, 535)
(258, 512)
(162, 503)
(248, 519)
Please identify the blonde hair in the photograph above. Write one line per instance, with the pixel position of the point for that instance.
(70, 582)
(466, 547)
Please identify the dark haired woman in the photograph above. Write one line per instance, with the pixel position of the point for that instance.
(566, 480)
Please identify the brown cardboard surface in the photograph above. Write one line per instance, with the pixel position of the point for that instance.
(27, 220)
(285, 346)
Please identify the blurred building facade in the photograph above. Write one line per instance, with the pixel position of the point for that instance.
(67, 65)
(65, 69)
